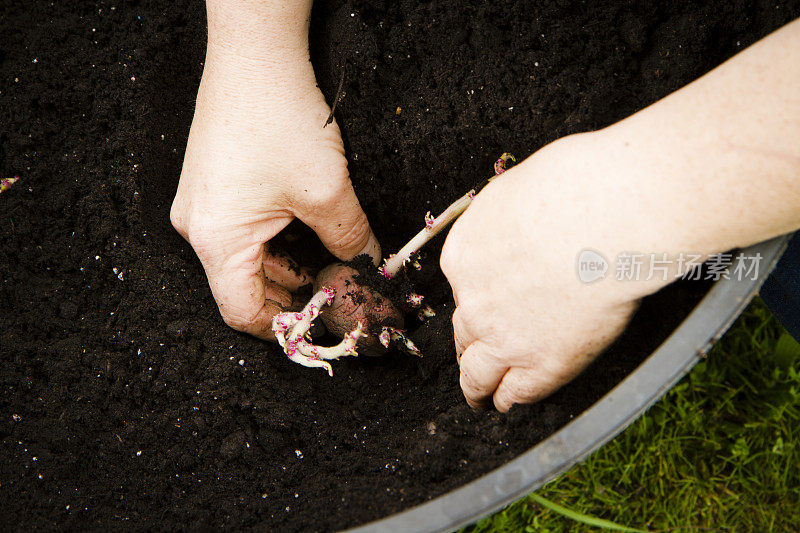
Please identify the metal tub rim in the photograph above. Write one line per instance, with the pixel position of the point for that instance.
(598, 424)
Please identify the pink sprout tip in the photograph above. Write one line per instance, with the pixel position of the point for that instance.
(429, 220)
(330, 292)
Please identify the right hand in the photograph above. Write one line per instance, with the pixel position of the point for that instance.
(525, 324)
(258, 156)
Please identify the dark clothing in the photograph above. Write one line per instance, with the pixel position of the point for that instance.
(781, 291)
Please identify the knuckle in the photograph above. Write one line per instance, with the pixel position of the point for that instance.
(323, 194)
(203, 230)
(470, 385)
(176, 216)
(515, 389)
(467, 319)
(450, 257)
(446, 261)
(354, 237)
(331, 160)
(236, 320)
(460, 331)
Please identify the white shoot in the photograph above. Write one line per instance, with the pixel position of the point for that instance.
(433, 226)
(291, 330)
(389, 334)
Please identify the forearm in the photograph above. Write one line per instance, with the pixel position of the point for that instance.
(719, 160)
(258, 28)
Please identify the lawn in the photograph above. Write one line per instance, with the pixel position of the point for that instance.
(721, 451)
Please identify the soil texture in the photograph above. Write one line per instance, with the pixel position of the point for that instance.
(125, 401)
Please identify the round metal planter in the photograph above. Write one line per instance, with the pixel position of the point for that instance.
(602, 421)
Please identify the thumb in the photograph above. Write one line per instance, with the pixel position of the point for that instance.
(341, 224)
(247, 300)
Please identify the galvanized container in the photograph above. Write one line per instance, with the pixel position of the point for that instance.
(602, 421)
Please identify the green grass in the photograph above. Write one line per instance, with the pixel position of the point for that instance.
(721, 451)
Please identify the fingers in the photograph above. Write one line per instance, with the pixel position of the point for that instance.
(481, 373)
(487, 378)
(281, 269)
(340, 223)
(461, 337)
(522, 385)
(481, 370)
(247, 300)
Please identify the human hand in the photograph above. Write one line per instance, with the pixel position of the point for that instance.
(257, 157)
(525, 324)
(694, 173)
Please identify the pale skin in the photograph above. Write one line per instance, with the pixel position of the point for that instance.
(258, 157)
(715, 165)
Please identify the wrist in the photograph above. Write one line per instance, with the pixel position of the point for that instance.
(258, 30)
(657, 226)
(671, 200)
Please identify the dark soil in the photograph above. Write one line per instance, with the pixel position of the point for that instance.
(124, 399)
